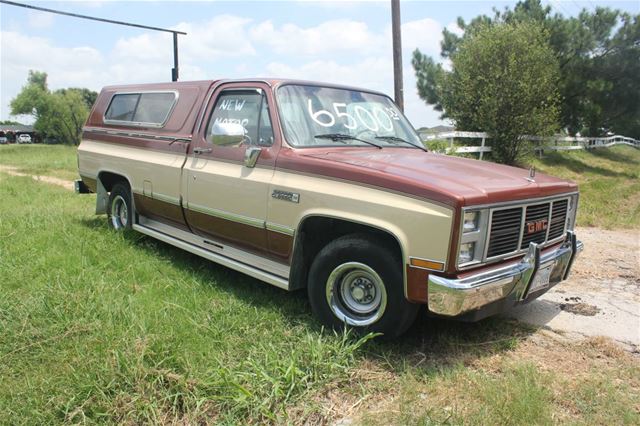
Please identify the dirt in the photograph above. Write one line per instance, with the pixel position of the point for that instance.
(14, 171)
(580, 309)
(601, 296)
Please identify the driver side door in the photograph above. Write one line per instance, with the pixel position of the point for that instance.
(225, 187)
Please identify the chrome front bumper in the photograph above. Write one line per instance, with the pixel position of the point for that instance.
(453, 297)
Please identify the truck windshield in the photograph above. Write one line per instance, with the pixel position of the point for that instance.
(317, 116)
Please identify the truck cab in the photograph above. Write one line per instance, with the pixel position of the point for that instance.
(327, 188)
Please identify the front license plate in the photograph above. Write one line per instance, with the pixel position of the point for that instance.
(541, 280)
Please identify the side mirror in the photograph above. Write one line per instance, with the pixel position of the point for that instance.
(251, 156)
(227, 134)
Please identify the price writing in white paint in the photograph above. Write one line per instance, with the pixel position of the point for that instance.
(361, 117)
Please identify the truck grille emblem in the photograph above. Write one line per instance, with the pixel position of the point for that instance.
(536, 226)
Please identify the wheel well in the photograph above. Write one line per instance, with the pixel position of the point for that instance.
(315, 232)
(109, 179)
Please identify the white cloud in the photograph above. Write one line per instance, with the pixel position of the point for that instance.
(369, 72)
(454, 28)
(329, 37)
(40, 20)
(424, 34)
(341, 51)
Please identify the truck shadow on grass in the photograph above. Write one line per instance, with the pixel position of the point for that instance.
(431, 344)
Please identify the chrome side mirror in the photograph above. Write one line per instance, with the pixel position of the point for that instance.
(228, 134)
(251, 156)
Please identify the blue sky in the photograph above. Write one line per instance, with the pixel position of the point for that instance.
(342, 42)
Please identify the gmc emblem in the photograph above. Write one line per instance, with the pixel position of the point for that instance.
(537, 226)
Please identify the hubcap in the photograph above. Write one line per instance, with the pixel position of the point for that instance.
(119, 213)
(356, 294)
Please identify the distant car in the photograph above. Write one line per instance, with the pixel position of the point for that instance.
(3, 140)
(24, 138)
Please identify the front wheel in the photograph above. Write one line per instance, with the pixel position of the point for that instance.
(120, 207)
(356, 281)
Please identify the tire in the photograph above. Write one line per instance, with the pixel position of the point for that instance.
(120, 211)
(355, 281)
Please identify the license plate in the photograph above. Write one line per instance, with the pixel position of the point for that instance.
(541, 280)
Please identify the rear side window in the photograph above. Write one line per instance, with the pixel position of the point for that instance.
(141, 108)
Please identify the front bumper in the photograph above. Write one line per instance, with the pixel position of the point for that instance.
(509, 285)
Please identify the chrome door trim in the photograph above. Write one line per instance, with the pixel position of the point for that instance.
(258, 223)
(282, 229)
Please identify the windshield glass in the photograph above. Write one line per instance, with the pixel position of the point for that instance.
(316, 116)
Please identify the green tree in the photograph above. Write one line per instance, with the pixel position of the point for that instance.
(599, 57)
(59, 114)
(503, 81)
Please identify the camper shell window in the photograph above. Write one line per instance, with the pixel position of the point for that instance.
(141, 109)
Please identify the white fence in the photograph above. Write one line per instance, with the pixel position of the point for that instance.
(553, 143)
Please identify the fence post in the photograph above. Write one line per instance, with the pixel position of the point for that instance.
(482, 146)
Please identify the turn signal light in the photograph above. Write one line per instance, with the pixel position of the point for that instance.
(427, 264)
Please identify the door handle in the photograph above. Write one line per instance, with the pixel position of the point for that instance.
(251, 156)
(198, 150)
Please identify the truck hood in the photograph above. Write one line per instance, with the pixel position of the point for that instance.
(455, 180)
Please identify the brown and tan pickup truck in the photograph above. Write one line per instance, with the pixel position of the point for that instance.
(328, 188)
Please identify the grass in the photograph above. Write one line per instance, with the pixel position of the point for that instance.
(609, 181)
(50, 160)
(101, 327)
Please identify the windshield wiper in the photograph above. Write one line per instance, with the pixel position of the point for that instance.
(397, 139)
(341, 137)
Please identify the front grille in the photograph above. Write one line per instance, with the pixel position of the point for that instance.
(535, 214)
(505, 231)
(543, 222)
(558, 219)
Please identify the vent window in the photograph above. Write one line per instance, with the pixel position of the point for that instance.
(141, 108)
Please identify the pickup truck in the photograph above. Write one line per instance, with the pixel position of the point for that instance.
(327, 188)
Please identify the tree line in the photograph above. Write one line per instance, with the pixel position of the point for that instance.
(59, 114)
(529, 71)
(522, 71)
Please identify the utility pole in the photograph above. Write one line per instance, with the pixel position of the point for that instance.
(174, 70)
(397, 53)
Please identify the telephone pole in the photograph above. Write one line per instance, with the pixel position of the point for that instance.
(397, 53)
(174, 71)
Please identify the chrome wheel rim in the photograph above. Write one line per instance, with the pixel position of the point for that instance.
(356, 294)
(119, 213)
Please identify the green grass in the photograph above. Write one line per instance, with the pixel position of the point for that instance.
(101, 327)
(51, 160)
(609, 181)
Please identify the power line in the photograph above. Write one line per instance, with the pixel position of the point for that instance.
(174, 71)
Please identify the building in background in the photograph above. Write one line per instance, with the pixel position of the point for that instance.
(13, 133)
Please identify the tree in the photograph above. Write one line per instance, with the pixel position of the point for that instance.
(503, 81)
(599, 57)
(59, 114)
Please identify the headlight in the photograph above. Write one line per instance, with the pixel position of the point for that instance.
(571, 212)
(470, 223)
(472, 236)
(466, 252)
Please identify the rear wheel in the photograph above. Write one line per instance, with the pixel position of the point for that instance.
(120, 207)
(356, 281)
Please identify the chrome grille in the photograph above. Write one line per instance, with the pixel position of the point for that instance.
(535, 213)
(505, 231)
(558, 219)
(509, 231)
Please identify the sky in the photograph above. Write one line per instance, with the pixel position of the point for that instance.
(333, 41)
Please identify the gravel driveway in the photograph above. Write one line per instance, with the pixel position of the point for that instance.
(601, 296)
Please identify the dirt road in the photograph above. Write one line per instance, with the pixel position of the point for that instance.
(602, 295)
